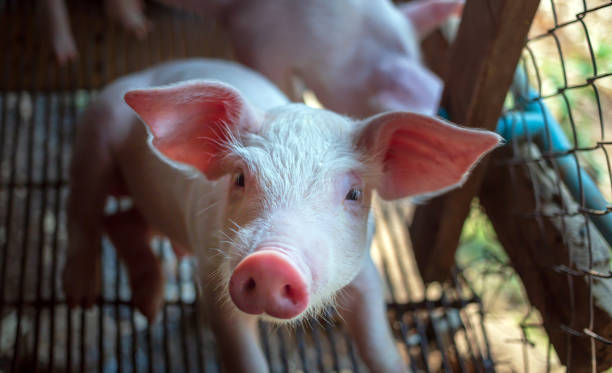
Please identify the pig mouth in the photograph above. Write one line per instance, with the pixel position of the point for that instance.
(267, 283)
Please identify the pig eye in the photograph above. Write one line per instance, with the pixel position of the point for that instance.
(239, 181)
(353, 195)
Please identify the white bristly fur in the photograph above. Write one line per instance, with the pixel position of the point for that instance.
(294, 160)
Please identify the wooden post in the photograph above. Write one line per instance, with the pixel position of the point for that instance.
(483, 59)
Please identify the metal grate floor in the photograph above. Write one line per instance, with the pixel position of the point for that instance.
(439, 328)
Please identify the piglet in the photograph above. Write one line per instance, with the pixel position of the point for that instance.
(272, 197)
(360, 57)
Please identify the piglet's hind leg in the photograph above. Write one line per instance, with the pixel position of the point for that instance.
(91, 174)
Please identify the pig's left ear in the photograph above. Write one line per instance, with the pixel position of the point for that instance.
(427, 15)
(192, 121)
(420, 154)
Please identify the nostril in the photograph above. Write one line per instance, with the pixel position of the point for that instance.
(250, 285)
(290, 294)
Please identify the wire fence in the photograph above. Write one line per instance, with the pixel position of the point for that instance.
(557, 122)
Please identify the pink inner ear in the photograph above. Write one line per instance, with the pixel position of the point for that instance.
(423, 154)
(427, 15)
(191, 121)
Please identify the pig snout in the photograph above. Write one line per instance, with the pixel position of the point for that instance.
(267, 282)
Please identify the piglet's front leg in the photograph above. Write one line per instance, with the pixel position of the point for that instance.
(362, 307)
(61, 34)
(236, 335)
(130, 14)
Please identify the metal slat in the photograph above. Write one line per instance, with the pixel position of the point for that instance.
(10, 193)
(418, 323)
(299, 334)
(57, 211)
(88, 68)
(27, 204)
(41, 226)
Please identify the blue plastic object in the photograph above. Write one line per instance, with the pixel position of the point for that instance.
(537, 123)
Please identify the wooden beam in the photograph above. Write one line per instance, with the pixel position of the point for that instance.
(436, 53)
(483, 59)
(539, 245)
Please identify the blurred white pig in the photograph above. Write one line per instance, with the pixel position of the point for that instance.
(360, 57)
(273, 198)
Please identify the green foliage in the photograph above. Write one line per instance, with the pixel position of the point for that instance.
(478, 237)
(488, 270)
(487, 266)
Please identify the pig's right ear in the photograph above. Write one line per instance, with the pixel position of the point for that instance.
(419, 154)
(191, 122)
(427, 15)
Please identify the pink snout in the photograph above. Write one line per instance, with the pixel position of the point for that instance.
(266, 282)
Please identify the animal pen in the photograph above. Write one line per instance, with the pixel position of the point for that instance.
(546, 194)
